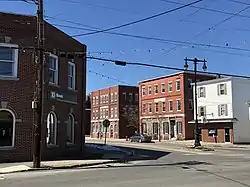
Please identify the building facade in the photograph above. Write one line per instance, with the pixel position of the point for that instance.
(223, 110)
(88, 116)
(166, 106)
(64, 91)
(118, 104)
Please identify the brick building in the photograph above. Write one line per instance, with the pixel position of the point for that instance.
(64, 92)
(88, 115)
(168, 101)
(119, 104)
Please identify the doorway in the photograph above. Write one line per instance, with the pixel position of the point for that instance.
(172, 128)
(227, 134)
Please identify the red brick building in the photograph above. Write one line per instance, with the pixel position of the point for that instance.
(65, 92)
(120, 105)
(166, 106)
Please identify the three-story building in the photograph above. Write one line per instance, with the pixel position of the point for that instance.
(166, 106)
(118, 104)
(223, 111)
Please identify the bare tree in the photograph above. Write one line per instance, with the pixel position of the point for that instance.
(131, 114)
(160, 120)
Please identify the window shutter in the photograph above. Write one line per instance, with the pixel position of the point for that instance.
(225, 87)
(218, 89)
(218, 110)
(226, 112)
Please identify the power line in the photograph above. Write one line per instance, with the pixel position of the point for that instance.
(108, 77)
(208, 9)
(124, 63)
(240, 2)
(139, 21)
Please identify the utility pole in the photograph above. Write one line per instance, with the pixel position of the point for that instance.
(196, 61)
(38, 102)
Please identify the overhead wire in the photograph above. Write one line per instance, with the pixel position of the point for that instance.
(139, 21)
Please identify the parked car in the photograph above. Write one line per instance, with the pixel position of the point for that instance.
(140, 138)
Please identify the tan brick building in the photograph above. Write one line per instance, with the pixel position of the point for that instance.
(120, 105)
(65, 92)
(166, 106)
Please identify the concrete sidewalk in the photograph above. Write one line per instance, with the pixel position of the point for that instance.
(6, 168)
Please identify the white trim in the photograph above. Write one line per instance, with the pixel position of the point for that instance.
(162, 99)
(170, 82)
(97, 121)
(15, 67)
(169, 106)
(74, 76)
(178, 80)
(164, 88)
(163, 116)
(14, 129)
(177, 104)
(57, 70)
(103, 107)
(149, 86)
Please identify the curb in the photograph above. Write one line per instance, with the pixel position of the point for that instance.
(45, 168)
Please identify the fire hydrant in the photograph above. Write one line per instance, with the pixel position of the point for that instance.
(126, 138)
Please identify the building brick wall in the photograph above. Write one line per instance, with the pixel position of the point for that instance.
(18, 92)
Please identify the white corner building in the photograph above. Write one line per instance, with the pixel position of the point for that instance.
(223, 110)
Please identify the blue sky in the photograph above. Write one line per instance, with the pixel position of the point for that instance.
(188, 24)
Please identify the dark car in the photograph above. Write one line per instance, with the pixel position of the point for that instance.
(140, 138)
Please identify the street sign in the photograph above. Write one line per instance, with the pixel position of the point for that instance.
(106, 123)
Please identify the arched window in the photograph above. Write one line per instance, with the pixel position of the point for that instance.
(71, 129)
(7, 128)
(51, 128)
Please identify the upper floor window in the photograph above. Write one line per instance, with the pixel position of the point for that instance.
(170, 87)
(115, 97)
(163, 89)
(93, 101)
(71, 75)
(163, 105)
(112, 112)
(201, 92)
(170, 106)
(124, 96)
(156, 89)
(143, 108)
(149, 90)
(53, 69)
(136, 97)
(222, 89)
(8, 60)
(178, 85)
(156, 107)
(222, 110)
(149, 107)
(130, 97)
(178, 104)
(143, 91)
(111, 97)
(201, 111)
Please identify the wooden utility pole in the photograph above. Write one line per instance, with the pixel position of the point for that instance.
(38, 102)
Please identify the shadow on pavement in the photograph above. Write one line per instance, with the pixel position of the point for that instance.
(95, 151)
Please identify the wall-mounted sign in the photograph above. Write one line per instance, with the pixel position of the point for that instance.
(63, 97)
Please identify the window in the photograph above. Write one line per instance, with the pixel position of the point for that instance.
(190, 104)
(124, 96)
(170, 106)
(93, 100)
(71, 129)
(143, 108)
(96, 114)
(201, 92)
(156, 89)
(71, 75)
(93, 115)
(178, 85)
(201, 111)
(179, 127)
(178, 104)
(8, 60)
(144, 128)
(51, 128)
(100, 114)
(156, 107)
(163, 88)
(136, 98)
(130, 97)
(212, 132)
(149, 90)
(107, 98)
(112, 97)
(163, 106)
(143, 91)
(106, 113)
(53, 69)
(155, 128)
(115, 112)
(7, 128)
(222, 89)
(149, 107)
(112, 112)
(190, 81)
(116, 128)
(115, 99)
(165, 127)
(222, 110)
(97, 100)
(170, 87)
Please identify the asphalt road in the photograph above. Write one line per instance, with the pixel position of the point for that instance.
(166, 168)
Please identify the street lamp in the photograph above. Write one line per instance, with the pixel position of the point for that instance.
(196, 61)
